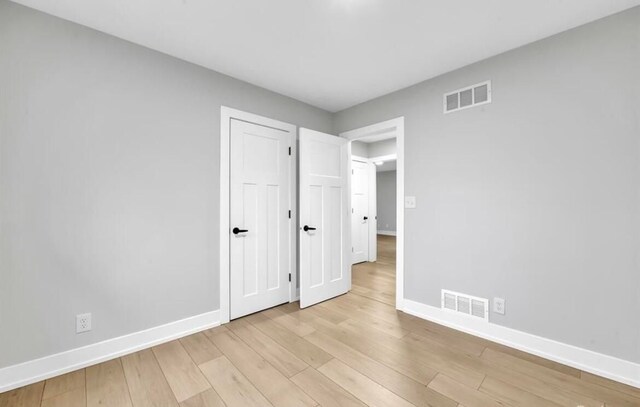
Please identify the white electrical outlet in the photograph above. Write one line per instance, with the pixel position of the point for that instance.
(498, 305)
(83, 323)
(410, 202)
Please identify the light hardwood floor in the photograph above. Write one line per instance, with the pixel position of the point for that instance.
(354, 350)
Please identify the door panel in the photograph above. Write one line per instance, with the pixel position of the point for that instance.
(325, 266)
(360, 211)
(259, 203)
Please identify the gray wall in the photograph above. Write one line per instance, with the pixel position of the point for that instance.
(386, 200)
(360, 149)
(536, 197)
(375, 149)
(382, 148)
(109, 168)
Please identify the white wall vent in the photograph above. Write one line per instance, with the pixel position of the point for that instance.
(464, 98)
(465, 304)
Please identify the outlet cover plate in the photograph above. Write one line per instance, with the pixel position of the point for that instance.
(410, 202)
(83, 323)
(499, 306)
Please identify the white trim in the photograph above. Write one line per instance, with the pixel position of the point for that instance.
(359, 158)
(395, 126)
(389, 157)
(33, 371)
(226, 114)
(387, 232)
(596, 363)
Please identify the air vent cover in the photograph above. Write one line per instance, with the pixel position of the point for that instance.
(470, 96)
(465, 304)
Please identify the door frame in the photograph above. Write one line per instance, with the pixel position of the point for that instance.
(226, 114)
(388, 128)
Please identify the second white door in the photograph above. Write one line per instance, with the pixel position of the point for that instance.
(259, 235)
(325, 241)
(360, 211)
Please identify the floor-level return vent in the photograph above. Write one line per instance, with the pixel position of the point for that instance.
(465, 304)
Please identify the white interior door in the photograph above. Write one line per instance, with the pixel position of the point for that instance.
(259, 217)
(325, 241)
(373, 212)
(360, 211)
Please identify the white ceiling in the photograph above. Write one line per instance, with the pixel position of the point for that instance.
(331, 53)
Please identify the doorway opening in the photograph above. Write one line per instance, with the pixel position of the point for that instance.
(377, 213)
(373, 216)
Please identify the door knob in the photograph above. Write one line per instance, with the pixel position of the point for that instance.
(366, 217)
(236, 231)
(307, 228)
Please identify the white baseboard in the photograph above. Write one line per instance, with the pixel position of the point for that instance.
(33, 371)
(596, 363)
(387, 232)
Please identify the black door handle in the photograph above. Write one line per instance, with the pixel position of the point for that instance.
(236, 231)
(307, 228)
(366, 217)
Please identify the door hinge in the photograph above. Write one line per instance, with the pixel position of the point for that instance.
(289, 150)
(289, 277)
(352, 250)
(289, 213)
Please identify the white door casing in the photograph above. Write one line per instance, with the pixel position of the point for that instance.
(259, 232)
(325, 253)
(360, 215)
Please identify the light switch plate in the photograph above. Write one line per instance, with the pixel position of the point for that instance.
(498, 305)
(410, 202)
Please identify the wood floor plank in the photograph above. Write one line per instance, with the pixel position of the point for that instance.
(361, 386)
(277, 388)
(232, 386)
(107, 386)
(512, 395)
(64, 383)
(544, 390)
(148, 386)
(536, 359)
(561, 380)
(407, 388)
(330, 315)
(323, 390)
(183, 376)
(620, 387)
(27, 396)
(73, 398)
(279, 357)
(360, 317)
(200, 348)
(306, 351)
(296, 326)
(436, 358)
(398, 360)
(468, 396)
(207, 398)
